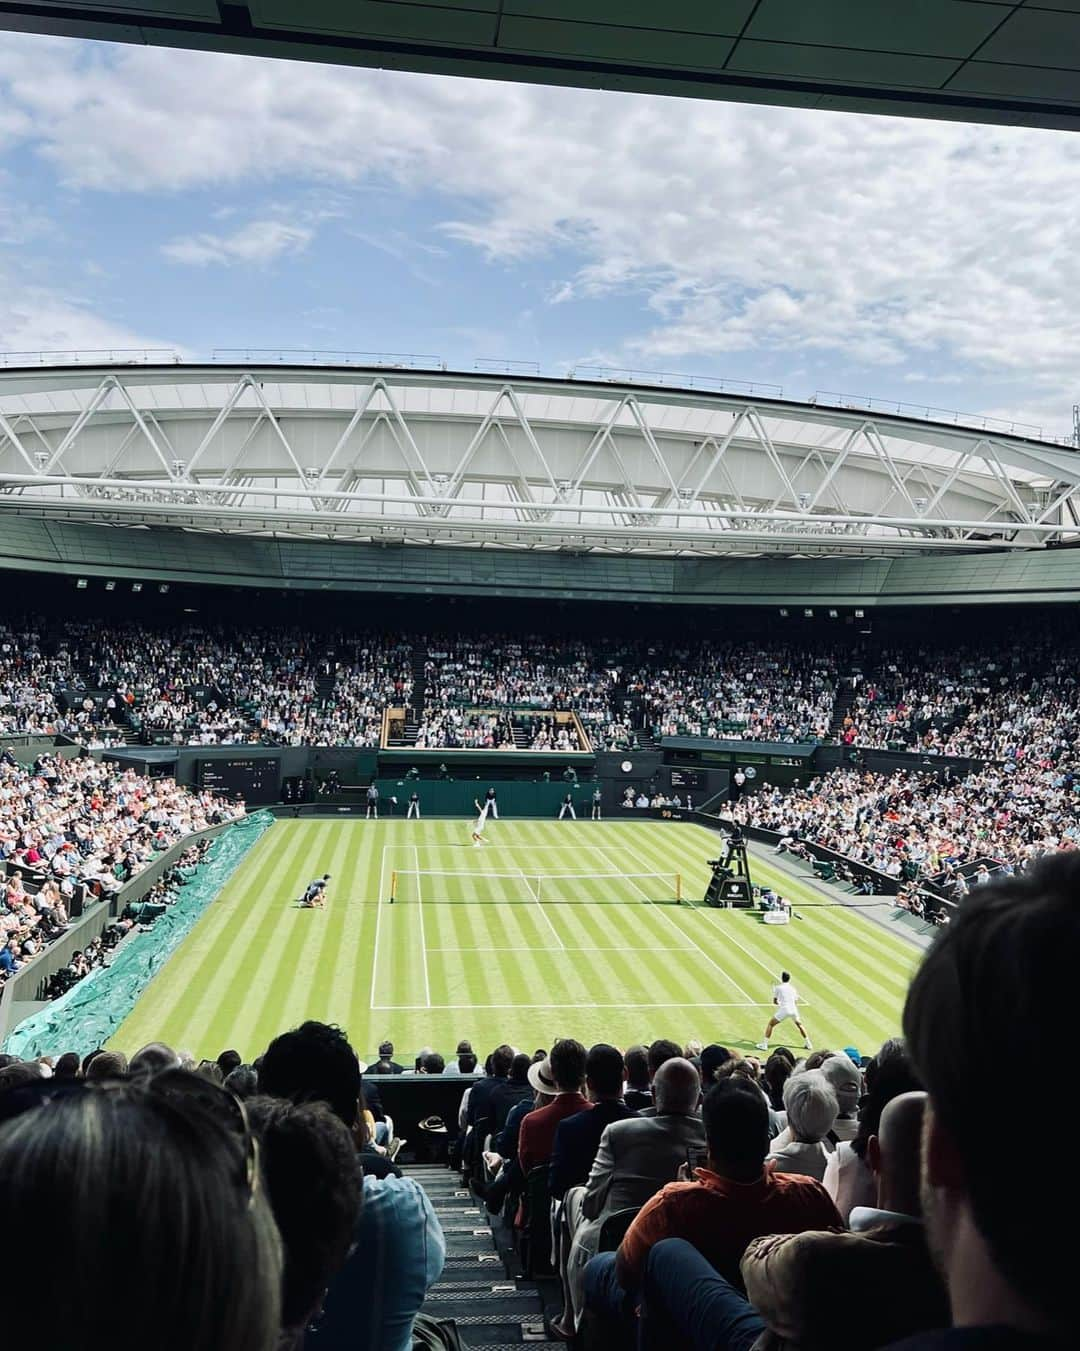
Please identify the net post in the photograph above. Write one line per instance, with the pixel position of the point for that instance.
(678, 888)
(393, 886)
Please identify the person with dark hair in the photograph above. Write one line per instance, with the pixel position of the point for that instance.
(507, 1094)
(657, 1054)
(731, 1200)
(480, 1093)
(577, 1138)
(314, 1183)
(370, 1303)
(431, 1062)
(155, 1175)
(227, 1061)
(18, 1074)
(386, 1064)
(713, 1057)
(990, 986)
(67, 1066)
(786, 998)
(314, 1063)
(537, 1138)
(636, 1062)
(775, 1074)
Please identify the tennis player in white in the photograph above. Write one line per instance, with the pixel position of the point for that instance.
(786, 998)
(481, 822)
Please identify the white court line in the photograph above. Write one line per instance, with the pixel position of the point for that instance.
(378, 926)
(653, 948)
(536, 897)
(722, 929)
(423, 942)
(597, 849)
(681, 932)
(406, 1008)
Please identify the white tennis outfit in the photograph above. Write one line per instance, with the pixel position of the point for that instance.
(787, 1000)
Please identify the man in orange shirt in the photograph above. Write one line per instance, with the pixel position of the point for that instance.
(732, 1200)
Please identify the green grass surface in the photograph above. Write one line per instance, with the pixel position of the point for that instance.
(480, 956)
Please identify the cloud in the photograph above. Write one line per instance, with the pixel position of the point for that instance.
(865, 242)
(259, 242)
(37, 319)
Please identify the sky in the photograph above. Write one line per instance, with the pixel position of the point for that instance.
(152, 198)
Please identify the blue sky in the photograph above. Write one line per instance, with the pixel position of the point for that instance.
(199, 201)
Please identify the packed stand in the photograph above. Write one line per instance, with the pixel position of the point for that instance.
(925, 825)
(736, 690)
(77, 825)
(1016, 704)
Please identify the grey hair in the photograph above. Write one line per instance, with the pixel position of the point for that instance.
(846, 1082)
(676, 1087)
(811, 1105)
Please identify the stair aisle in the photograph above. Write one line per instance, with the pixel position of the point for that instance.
(492, 1307)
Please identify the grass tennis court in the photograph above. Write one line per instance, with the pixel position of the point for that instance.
(551, 929)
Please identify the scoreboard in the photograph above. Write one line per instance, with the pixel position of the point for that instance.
(255, 778)
(688, 778)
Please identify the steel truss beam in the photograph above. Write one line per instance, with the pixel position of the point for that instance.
(523, 462)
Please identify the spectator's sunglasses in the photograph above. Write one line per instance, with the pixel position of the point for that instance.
(181, 1091)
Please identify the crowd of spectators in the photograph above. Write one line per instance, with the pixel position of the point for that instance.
(82, 826)
(189, 684)
(924, 824)
(1017, 703)
(836, 1201)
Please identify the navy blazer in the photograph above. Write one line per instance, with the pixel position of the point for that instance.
(576, 1141)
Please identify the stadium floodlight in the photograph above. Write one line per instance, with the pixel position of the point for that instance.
(110, 586)
(178, 467)
(783, 614)
(860, 614)
(163, 587)
(808, 614)
(834, 614)
(920, 503)
(81, 584)
(42, 459)
(136, 586)
(804, 501)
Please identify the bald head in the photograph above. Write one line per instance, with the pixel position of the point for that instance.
(894, 1153)
(676, 1088)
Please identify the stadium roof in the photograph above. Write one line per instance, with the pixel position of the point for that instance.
(1008, 61)
(518, 462)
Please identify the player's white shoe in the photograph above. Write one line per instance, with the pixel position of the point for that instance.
(807, 1045)
(763, 1045)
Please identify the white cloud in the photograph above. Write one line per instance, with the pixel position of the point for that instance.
(258, 242)
(37, 319)
(867, 241)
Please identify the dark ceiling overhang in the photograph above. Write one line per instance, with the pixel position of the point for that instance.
(994, 61)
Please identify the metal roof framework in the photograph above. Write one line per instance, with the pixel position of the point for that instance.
(437, 457)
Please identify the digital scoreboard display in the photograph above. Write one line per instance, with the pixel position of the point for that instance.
(688, 778)
(255, 778)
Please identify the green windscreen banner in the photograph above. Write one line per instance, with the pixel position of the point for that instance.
(90, 1013)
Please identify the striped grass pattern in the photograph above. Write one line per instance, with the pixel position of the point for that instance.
(502, 964)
